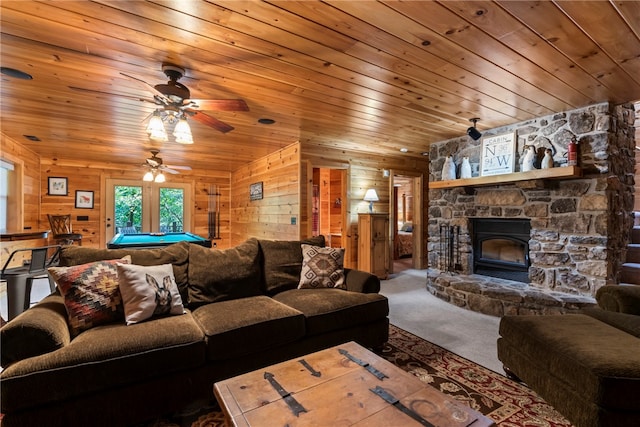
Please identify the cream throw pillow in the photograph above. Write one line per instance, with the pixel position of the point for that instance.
(322, 267)
(148, 291)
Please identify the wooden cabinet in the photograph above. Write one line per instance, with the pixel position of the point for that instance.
(373, 244)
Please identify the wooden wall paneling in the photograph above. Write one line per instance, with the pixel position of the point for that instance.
(92, 177)
(277, 215)
(311, 177)
(306, 191)
(78, 178)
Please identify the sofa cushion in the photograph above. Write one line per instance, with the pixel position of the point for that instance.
(246, 326)
(41, 329)
(327, 310)
(590, 355)
(91, 293)
(220, 275)
(283, 262)
(148, 291)
(177, 255)
(105, 357)
(322, 267)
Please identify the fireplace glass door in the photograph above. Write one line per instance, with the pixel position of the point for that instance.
(504, 250)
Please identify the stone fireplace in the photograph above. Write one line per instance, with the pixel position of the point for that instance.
(577, 227)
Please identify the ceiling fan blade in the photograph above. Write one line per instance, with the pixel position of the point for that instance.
(156, 93)
(168, 170)
(210, 121)
(184, 168)
(218, 104)
(100, 92)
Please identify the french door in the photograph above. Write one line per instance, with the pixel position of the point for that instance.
(146, 207)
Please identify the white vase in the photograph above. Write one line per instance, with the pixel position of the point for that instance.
(448, 169)
(547, 160)
(529, 158)
(465, 168)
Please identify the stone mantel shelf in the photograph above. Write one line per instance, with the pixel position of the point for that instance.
(565, 172)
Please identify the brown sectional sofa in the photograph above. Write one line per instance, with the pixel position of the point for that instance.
(585, 365)
(244, 312)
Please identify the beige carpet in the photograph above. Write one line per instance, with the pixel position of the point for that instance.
(463, 332)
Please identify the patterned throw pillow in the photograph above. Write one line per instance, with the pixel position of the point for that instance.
(322, 268)
(148, 291)
(91, 293)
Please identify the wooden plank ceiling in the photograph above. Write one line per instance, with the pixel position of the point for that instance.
(355, 75)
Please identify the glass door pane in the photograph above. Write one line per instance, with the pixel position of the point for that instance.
(171, 201)
(128, 209)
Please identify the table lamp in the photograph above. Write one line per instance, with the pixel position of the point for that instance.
(371, 196)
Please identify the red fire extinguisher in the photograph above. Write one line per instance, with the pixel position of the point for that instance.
(572, 152)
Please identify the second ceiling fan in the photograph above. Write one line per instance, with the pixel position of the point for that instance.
(156, 168)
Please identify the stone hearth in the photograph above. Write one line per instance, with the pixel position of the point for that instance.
(579, 227)
(498, 297)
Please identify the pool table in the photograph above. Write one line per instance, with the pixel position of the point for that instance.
(154, 240)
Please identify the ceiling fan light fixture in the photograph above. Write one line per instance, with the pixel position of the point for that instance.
(155, 128)
(148, 177)
(184, 139)
(159, 136)
(155, 123)
(160, 178)
(182, 132)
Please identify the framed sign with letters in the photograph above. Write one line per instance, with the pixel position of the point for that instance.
(498, 154)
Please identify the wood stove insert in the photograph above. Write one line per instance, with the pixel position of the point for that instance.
(501, 248)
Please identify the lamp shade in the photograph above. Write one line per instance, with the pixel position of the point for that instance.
(160, 177)
(159, 135)
(182, 132)
(148, 176)
(371, 196)
(156, 129)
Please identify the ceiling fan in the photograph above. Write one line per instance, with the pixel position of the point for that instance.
(155, 164)
(174, 98)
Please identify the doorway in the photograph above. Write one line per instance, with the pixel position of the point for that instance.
(144, 207)
(406, 221)
(328, 213)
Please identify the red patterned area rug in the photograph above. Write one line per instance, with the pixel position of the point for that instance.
(508, 403)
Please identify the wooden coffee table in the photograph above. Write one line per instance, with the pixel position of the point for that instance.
(346, 385)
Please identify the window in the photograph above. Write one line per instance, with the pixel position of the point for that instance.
(8, 181)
